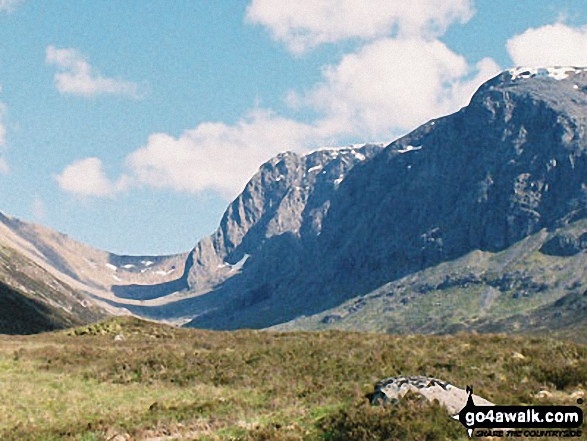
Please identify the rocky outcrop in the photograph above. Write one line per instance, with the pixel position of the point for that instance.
(508, 165)
(565, 245)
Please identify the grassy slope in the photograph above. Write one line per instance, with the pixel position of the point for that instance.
(32, 300)
(519, 290)
(162, 381)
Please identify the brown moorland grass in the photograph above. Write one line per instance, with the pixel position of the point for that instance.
(160, 382)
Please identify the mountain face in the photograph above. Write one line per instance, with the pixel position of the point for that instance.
(509, 165)
(266, 238)
(33, 300)
(282, 206)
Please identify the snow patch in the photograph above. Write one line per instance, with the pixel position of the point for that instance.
(112, 267)
(239, 265)
(147, 262)
(409, 148)
(315, 168)
(128, 266)
(164, 273)
(555, 72)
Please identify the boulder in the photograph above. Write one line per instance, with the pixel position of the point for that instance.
(448, 395)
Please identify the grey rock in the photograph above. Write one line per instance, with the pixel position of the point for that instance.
(452, 397)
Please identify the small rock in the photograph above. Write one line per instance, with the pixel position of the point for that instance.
(119, 337)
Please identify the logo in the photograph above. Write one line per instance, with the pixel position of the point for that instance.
(516, 421)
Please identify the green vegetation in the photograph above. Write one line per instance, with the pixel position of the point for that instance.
(132, 379)
(520, 290)
(32, 300)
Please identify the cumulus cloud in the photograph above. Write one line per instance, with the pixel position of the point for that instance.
(77, 77)
(304, 24)
(550, 45)
(9, 5)
(86, 178)
(216, 155)
(213, 156)
(393, 85)
(377, 93)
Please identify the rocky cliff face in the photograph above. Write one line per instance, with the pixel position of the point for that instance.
(280, 210)
(508, 165)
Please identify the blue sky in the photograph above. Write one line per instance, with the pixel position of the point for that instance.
(131, 125)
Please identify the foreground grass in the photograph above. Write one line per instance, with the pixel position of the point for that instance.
(166, 383)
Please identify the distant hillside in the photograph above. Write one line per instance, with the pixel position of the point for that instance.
(50, 281)
(32, 300)
(435, 215)
(533, 287)
(20, 314)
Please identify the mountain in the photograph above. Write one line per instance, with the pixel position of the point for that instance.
(478, 217)
(266, 237)
(505, 168)
(476, 221)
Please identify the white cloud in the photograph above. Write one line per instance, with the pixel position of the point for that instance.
(303, 24)
(9, 5)
(76, 76)
(86, 178)
(550, 45)
(378, 93)
(393, 85)
(216, 155)
(375, 94)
